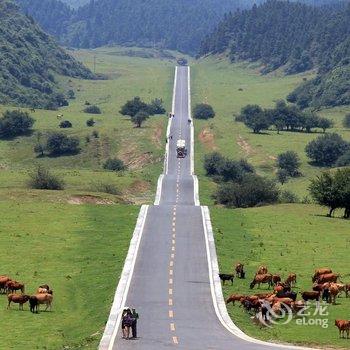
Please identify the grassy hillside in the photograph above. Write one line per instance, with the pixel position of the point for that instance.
(141, 149)
(64, 237)
(229, 88)
(287, 238)
(29, 61)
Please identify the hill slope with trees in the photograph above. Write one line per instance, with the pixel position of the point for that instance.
(296, 37)
(29, 59)
(178, 25)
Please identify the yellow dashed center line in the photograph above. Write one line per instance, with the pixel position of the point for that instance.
(171, 314)
(172, 327)
(175, 340)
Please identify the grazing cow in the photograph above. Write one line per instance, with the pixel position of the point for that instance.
(341, 287)
(18, 299)
(262, 270)
(291, 279)
(328, 277)
(263, 295)
(234, 297)
(258, 279)
(3, 281)
(33, 304)
(45, 299)
(320, 272)
(278, 288)
(45, 286)
(314, 295)
(333, 292)
(251, 304)
(276, 279)
(343, 327)
(291, 295)
(226, 277)
(239, 268)
(14, 286)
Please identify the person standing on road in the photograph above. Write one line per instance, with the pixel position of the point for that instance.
(127, 321)
(135, 317)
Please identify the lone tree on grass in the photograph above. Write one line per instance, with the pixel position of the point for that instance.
(289, 162)
(65, 124)
(139, 118)
(255, 118)
(326, 149)
(332, 190)
(132, 107)
(60, 144)
(92, 109)
(42, 179)
(114, 164)
(15, 123)
(90, 122)
(203, 111)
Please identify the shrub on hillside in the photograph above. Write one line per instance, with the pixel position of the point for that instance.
(212, 163)
(93, 109)
(288, 197)
(114, 164)
(42, 179)
(203, 111)
(255, 118)
(107, 188)
(65, 124)
(59, 144)
(15, 123)
(289, 162)
(156, 107)
(139, 118)
(90, 122)
(326, 149)
(132, 107)
(254, 190)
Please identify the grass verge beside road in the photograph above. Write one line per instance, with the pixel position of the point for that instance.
(79, 251)
(287, 238)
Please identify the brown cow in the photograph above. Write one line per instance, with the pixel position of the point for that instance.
(343, 327)
(291, 279)
(319, 272)
(328, 277)
(18, 299)
(314, 295)
(239, 268)
(298, 306)
(14, 286)
(333, 292)
(347, 289)
(45, 299)
(262, 270)
(3, 281)
(276, 279)
(234, 297)
(258, 279)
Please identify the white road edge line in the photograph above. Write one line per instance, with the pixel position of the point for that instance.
(216, 290)
(166, 158)
(112, 325)
(195, 178)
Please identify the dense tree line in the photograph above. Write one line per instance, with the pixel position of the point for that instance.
(29, 58)
(296, 36)
(282, 117)
(179, 25)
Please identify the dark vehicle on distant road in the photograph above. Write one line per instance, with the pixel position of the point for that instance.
(182, 61)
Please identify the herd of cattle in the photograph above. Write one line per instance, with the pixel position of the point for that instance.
(43, 295)
(326, 287)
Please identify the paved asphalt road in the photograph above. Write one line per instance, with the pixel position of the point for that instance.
(170, 286)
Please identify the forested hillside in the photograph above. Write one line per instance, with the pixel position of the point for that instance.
(179, 25)
(296, 36)
(29, 58)
(76, 3)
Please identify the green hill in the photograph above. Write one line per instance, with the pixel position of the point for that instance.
(296, 37)
(30, 59)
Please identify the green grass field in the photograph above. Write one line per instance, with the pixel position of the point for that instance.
(287, 238)
(217, 82)
(79, 251)
(141, 149)
(76, 240)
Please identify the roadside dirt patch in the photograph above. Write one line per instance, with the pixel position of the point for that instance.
(88, 199)
(246, 147)
(207, 138)
(157, 136)
(139, 187)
